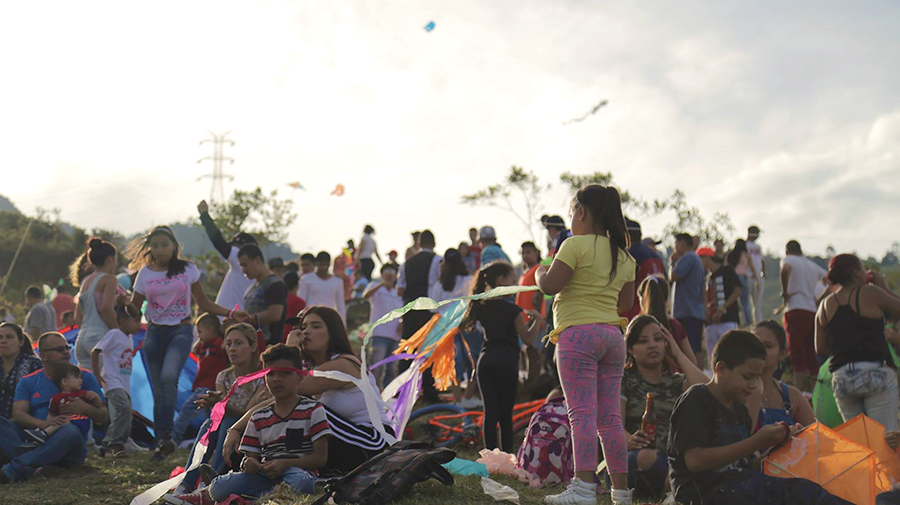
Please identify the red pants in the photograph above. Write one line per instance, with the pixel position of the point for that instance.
(800, 326)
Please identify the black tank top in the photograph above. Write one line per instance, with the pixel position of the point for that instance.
(853, 338)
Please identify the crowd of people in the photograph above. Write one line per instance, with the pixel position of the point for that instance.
(620, 330)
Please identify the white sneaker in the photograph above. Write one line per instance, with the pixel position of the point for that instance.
(577, 492)
(622, 496)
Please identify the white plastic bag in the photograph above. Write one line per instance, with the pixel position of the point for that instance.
(498, 491)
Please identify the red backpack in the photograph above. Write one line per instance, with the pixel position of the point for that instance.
(547, 450)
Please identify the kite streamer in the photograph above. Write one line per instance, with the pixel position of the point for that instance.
(405, 387)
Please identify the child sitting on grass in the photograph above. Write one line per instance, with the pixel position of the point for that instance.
(709, 439)
(116, 349)
(66, 377)
(284, 442)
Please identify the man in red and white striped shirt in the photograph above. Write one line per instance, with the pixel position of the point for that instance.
(284, 441)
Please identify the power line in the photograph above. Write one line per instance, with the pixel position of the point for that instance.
(218, 174)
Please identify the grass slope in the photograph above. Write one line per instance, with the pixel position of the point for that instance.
(117, 481)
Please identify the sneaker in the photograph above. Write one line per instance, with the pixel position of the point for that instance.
(24, 448)
(37, 435)
(622, 496)
(195, 498)
(207, 474)
(577, 492)
(131, 445)
(165, 447)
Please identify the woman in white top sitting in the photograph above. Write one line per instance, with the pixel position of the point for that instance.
(323, 342)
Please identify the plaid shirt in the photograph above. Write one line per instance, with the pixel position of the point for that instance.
(24, 365)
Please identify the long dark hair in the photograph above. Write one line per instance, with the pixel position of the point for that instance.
(139, 252)
(842, 267)
(633, 333)
(605, 206)
(338, 342)
(487, 277)
(734, 257)
(654, 294)
(24, 342)
(452, 267)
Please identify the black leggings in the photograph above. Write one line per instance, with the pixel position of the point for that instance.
(368, 266)
(498, 379)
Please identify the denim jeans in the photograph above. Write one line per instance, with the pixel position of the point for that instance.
(745, 300)
(166, 349)
(241, 483)
(214, 457)
(869, 388)
(187, 414)
(475, 340)
(382, 347)
(64, 447)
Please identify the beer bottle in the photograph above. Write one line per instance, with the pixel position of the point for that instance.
(648, 421)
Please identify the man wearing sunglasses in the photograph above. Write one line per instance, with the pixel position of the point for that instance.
(67, 445)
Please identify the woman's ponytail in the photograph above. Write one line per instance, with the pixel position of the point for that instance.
(487, 277)
(605, 205)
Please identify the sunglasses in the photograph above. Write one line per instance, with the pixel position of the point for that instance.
(62, 348)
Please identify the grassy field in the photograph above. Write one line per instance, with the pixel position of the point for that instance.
(117, 481)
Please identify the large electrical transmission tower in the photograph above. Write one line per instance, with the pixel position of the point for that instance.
(218, 174)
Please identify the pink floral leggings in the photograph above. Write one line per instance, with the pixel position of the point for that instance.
(591, 359)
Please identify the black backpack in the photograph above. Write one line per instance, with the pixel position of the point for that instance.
(390, 474)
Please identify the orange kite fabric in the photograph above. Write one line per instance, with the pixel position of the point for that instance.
(870, 434)
(841, 466)
(413, 344)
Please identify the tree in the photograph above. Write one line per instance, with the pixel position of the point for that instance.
(519, 182)
(629, 201)
(689, 220)
(263, 215)
(892, 257)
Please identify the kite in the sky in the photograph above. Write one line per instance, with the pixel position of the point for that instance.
(296, 185)
(338, 190)
(591, 113)
(429, 26)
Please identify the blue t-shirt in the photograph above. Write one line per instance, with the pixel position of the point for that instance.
(39, 389)
(493, 253)
(689, 287)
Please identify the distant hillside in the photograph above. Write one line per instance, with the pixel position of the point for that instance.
(6, 204)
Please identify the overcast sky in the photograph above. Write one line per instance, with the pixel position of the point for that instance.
(785, 115)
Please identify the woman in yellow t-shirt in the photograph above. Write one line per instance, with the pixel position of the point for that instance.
(592, 277)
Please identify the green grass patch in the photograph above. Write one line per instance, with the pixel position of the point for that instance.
(118, 480)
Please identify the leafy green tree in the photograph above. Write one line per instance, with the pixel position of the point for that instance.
(263, 215)
(689, 220)
(519, 194)
(630, 203)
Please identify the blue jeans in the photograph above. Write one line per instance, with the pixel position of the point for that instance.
(241, 483)
(745, 299)
(649, 482)
(166, 349)
(382, 347)
(475, 340)
(694, 329)
(215, 459)
(869, 388)
(757, 488)
(187, 413)
(64, 447)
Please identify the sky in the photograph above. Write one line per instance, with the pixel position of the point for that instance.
(783, 115)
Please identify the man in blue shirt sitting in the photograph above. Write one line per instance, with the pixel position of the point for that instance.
(31, 403)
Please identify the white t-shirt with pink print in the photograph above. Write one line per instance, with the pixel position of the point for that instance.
(168, 298)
